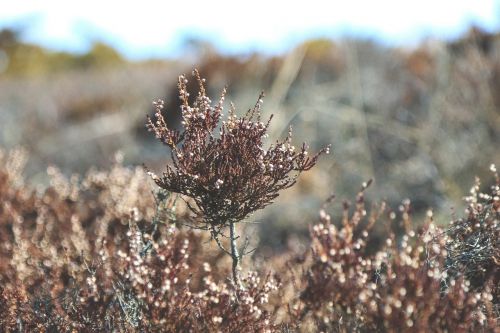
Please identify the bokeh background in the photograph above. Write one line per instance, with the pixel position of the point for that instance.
(406, 93)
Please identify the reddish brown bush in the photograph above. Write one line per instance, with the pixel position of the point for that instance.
(228, 174)
(406, 285)
(99, 254)
(68, 268)
(81, 257)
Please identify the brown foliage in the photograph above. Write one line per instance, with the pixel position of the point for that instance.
(231, 175)
(90, 256)
(100, 255)
(410, 284)
(80, 256)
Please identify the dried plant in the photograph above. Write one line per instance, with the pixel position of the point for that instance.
(95, 256)
(473, 246)
(224, 167)
(404, 286)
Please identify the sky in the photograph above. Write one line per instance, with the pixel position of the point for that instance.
(144, 29)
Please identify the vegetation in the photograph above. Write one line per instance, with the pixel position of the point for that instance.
(24, 59)
(228, 176)
(95, 245)
(98, 255)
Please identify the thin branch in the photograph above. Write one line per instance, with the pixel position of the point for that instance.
(219, 244)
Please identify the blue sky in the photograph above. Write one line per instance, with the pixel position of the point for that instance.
(142, 29)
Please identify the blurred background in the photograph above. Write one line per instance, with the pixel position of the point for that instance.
(406, 93)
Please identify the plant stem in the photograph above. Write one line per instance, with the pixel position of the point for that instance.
(235, 256)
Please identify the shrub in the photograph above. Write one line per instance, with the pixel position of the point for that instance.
(74, 258)
(95, 256)
(229, 175)
(473, 243)
(100, 255)
(403, 286)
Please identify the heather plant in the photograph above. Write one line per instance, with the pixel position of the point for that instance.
(404, 286)
(224, 168)
(99, 254)
(92, 255)
(473, 243)
(74, 258)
